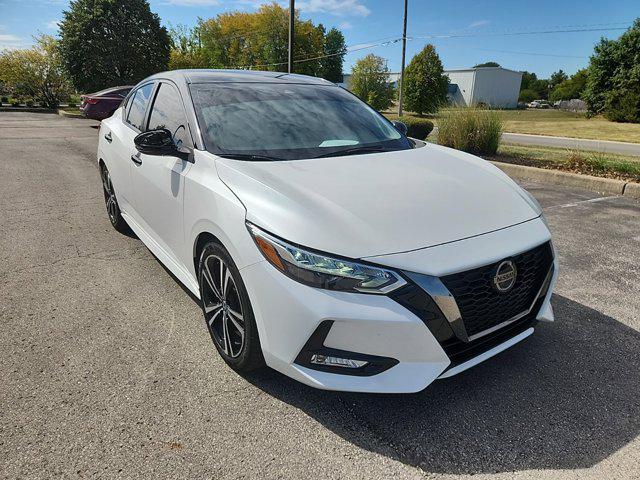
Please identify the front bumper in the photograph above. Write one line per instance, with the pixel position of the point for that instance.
(288, 313)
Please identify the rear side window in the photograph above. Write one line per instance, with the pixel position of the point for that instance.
(168, 112)
(139, 103)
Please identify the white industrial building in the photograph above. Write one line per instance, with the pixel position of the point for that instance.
(492, 86)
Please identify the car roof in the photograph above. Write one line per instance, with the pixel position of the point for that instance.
(112, 89)
(238, 76)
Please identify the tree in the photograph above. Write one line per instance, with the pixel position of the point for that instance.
(112, 42)
(532, 83)
(334, 45)
(570, 88)
(425, 82)
(614, 76)
(528, 78)
(36, 72)
(527, 95)
(370, 81)
(487, 64)
(557, 78)
(186, 51)
(247, 40)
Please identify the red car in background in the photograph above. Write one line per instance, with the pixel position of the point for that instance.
(102, 104)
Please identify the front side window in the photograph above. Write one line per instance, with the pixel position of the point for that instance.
(138, 107)
(289, 121)
(168, 112)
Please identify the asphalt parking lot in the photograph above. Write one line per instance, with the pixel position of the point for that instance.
(107, 370)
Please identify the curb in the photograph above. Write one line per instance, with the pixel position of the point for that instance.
(69, 114)
(26, 109)
(632, 190)
(557, 177)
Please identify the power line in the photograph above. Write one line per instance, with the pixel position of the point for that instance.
(509, 34)
(392, 40)
(348, 50)
(528, 53)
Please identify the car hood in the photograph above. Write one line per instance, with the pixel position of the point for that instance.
(376, 204)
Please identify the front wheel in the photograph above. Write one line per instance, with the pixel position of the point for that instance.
(227, 309)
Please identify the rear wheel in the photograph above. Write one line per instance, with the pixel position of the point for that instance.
(227, 309)
(113, 210)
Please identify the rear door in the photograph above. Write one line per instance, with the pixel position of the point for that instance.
(123, 131)
(158, 180)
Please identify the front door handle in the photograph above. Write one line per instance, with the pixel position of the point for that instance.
(108, 138)
(136, 159)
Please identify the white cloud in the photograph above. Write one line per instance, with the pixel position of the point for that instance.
(334, 7)
(193, 3)
(479, 23)
(10, 41)
(345, 26)
(53, 24)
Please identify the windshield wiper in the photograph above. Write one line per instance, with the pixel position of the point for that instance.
(354, 151)
(249, 156)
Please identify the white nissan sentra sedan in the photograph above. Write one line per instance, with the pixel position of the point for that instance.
(320, 239)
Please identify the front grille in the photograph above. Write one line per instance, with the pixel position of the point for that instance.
(460, 352)
(482, 307)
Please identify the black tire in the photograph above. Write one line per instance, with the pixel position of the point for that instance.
(228, 312)
(111, 202)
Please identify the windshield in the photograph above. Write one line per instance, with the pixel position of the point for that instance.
(265, 121)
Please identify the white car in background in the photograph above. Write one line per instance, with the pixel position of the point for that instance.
(321, 240)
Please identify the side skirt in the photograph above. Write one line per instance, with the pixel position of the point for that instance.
(167, 260)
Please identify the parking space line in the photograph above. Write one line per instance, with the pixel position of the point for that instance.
(580, 202)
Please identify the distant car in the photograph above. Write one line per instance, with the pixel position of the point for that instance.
(539, 104)
(102, 104)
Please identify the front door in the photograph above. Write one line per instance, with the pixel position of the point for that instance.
(158, 180)
(120, 136)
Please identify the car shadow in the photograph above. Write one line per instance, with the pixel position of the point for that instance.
(567, 397)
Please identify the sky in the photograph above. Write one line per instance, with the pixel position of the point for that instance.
(464, 32)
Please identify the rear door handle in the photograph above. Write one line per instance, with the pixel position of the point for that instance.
(136, 159)
(108, 138)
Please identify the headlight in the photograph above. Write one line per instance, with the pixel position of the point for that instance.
(322, 271)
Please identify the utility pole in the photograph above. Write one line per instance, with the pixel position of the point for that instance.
(292, 17)
(404, 51)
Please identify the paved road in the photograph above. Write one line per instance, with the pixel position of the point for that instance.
(107, 370)
(623, 148)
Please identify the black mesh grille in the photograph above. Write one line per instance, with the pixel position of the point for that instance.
(459, 351)
(482, 307)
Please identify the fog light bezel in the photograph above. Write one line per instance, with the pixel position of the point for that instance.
(373, 364)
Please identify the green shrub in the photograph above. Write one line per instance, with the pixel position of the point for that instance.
(623, 105)
(471, 130)
(5, 99)
(419, 128)
(528, 95)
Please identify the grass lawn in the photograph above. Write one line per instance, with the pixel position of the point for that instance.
(577, 161)
(562, 124)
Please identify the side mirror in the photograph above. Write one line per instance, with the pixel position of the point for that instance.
(159, 142)
(401, 127)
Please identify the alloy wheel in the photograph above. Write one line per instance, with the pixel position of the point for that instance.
(110, 196)
(222, 306)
